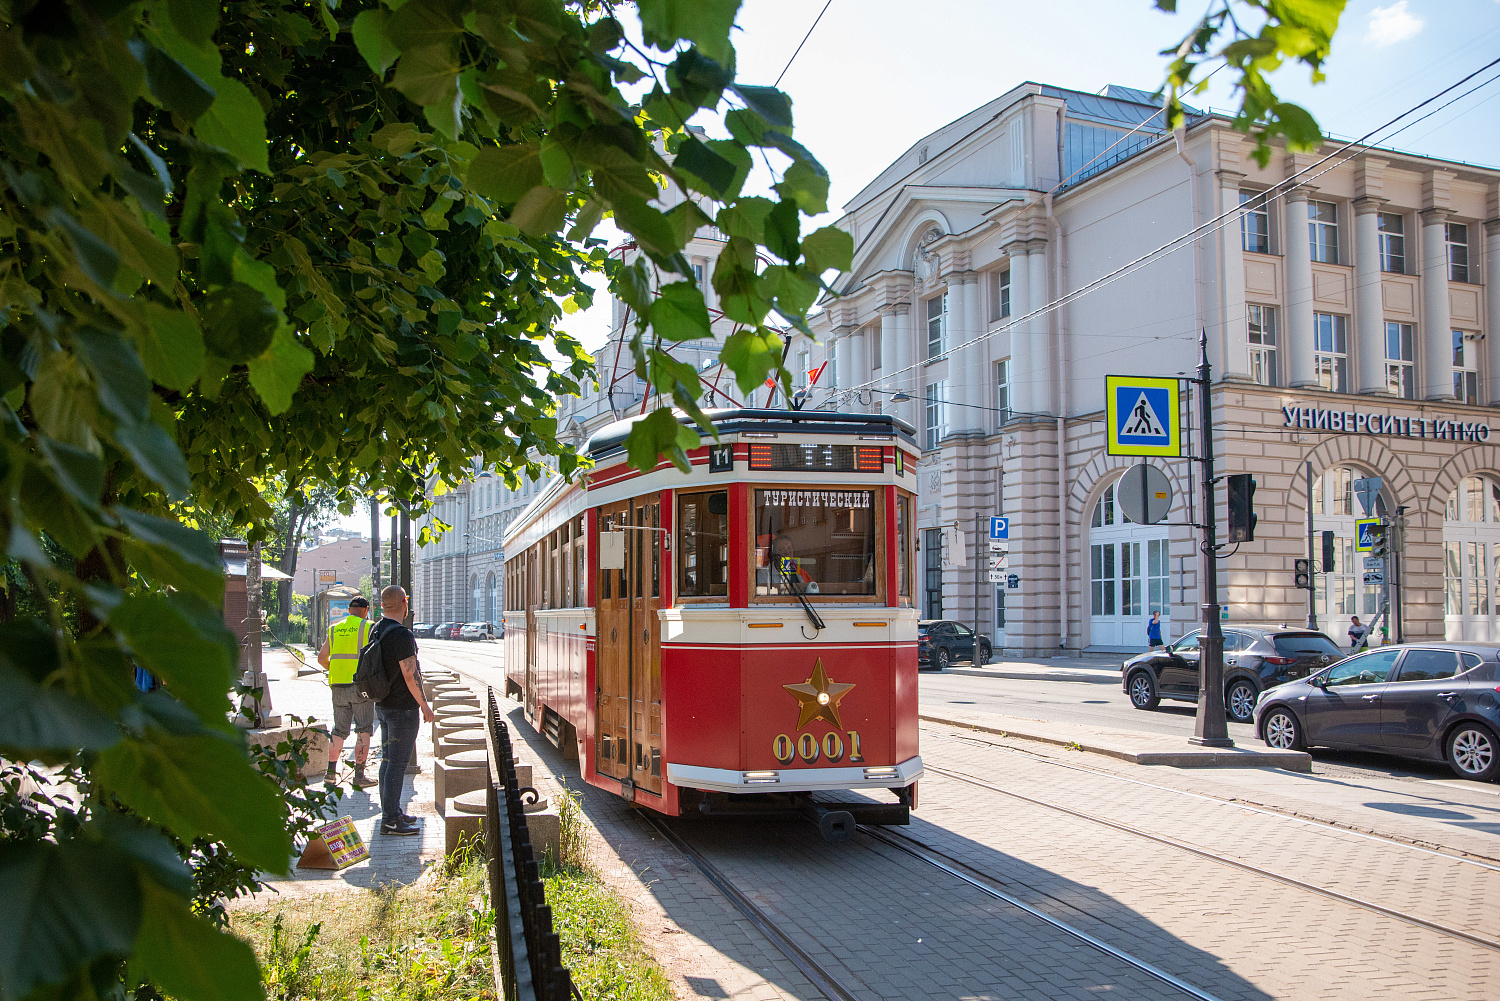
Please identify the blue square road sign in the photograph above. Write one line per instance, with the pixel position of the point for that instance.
(1000, 528)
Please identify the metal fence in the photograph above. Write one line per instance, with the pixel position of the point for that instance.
(528, 954)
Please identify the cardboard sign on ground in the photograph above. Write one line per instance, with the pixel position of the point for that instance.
(337, 846)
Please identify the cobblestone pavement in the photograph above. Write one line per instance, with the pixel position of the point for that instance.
(889, 926)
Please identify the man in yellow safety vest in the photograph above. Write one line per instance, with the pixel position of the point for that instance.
(340, 656)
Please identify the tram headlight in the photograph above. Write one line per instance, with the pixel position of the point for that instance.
(762, 778)
(882, 772)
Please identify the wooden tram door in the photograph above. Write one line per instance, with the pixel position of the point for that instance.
(628, 648)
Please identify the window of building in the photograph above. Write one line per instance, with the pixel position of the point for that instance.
(1458, 252)
(1466, 367)
(1392, 227)
(936, 412)
(804, 365)
(1255, 222)
(1262, 336)
(1002, 391)
(999, 294)
(815, 542)
(698, 273)
(872, 338)
(1088, 149)
(1331, 351)
(830, 376)
(937, 322)
(1323, 231)
(1400, 360)
(702, 551)
(932, 573)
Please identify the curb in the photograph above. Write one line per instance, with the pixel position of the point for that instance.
(1076, 676)
(1294, 761)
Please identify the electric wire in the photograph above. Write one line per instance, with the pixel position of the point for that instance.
(1204, 229)
(802, 43)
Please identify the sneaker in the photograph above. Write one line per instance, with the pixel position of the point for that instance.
(331, 776)
(402, 828)
(361, 779)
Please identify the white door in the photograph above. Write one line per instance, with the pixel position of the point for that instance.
(1471, 562)
(1128, 577)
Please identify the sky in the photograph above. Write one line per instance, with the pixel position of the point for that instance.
(875, 76)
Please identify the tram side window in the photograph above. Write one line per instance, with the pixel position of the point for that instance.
(815, 542)
(903, 547)
(580, 577)
(703, 546)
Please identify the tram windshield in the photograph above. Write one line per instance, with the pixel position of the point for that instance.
(815, 542)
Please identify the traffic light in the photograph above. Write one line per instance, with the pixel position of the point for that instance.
(1380, 542)
(1302, 574)
(1328, 558)
(1241, 508)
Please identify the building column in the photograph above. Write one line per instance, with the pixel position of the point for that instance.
(1491, 388)
(892, 355)
(1041, 344)
(1022, 365)
(853, 355)
(1236, 357)
(1436, 331)
(962, 365)
(1369, 309)
(1297, 255)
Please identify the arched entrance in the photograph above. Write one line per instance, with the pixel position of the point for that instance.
(1128, 576)
(1342, 592)
(1471, 561)
(474, 599)
(491, 601)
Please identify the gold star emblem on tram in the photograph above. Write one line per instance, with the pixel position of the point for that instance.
(819, 697)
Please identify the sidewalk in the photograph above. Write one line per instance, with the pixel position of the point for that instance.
(298, 691)
(1095, 669)
(1128, 745)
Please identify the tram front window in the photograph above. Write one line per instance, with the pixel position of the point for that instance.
(703, 552)
(815, 542)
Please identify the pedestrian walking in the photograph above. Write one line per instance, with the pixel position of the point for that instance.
(1358, 634)
(401, 712)
(339, 656)
(1153, 630)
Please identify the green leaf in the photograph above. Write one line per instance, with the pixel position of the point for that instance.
(713, 171)
(746, 218)
(774, 107)
(195, 20)
(782, 230)
(62, 906)
(505, 173)
(648, 225)
(189, 958)
(540, 212)
(118, 373)
(705, 23)
(660, 434)
(80, 473)
(61, 399)
(185, 643)
(178, 88)
(195, 553)
(38, 721)
(236, 123)
(96, 258)
(373, 42)
(171, 347)
(829, 247)
(277, 373)
(616, 173)
(429, 74)
(239, 323)
(805, 186)
(200, 786)
(752, 355)
(793, 294)
(330, 24)
(420, 23)
(679, 313)
(154, 452)
(260, 276)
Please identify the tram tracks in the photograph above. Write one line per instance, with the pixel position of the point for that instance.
(1204, 853)
(828, 983)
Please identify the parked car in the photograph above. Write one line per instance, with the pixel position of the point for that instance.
(942, 641)
(1434, 701)
(1255, 659)
(476, 631)
(446, 631)
(423, 630)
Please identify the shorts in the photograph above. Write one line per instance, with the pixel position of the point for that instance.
(351, 706)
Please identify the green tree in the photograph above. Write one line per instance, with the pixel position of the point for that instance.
(291, 241)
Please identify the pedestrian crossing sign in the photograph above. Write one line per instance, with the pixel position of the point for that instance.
(1365, 530)
(1143, 416)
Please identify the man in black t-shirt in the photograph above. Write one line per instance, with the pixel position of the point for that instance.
(400, 712)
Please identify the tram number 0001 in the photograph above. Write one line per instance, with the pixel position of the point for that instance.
(809, 748)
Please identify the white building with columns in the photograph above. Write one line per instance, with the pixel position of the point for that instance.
(1012, 259)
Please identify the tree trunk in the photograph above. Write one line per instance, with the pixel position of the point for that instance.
(291, 542)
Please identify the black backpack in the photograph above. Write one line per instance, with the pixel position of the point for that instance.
(370, 676)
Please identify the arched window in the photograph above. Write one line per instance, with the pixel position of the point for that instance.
(1471, 560)
(1341, 589)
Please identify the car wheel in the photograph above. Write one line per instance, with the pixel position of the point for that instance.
(940, 659)
(983, 656)
(1143, 691)
(1282, 731)
(1239, 700)
(1473, 752)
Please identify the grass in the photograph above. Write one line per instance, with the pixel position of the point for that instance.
(430, 941)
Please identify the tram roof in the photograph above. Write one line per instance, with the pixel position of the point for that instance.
(611, 438)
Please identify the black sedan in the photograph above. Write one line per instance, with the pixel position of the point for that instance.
(1255, 659)
(942, 641)
(1435, 701)
(423, 630)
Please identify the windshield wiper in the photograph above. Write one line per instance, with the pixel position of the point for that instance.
(812, 616)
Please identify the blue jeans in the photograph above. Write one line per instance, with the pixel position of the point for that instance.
(398, 744)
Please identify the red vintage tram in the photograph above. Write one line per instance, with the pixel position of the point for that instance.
(736, 638)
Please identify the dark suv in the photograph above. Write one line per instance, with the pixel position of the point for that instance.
(942, 641)
(1254, 659)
